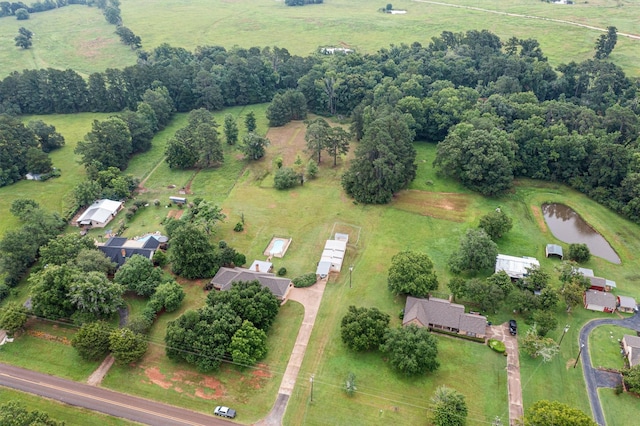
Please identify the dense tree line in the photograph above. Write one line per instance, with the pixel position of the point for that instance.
(576, 124)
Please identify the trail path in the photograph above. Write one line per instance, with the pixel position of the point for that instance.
(519, 15)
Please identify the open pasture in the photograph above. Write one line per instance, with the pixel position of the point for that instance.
(73, 37)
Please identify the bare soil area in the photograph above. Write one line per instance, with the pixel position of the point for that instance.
(449, 206)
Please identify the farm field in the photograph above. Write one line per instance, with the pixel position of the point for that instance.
(90, 44)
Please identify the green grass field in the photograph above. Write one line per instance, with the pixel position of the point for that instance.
(604, 346)
(76, 37)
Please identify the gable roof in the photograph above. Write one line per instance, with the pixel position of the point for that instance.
(100, 211)
(554, 249)
(225, 277)
(627, 302)
(119, 249)
(515, 267)
(600, 298)
(633, 345)
(442, 313)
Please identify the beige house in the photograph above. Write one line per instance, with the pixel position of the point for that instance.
(626, 304)
(631, 347)
(443, 315)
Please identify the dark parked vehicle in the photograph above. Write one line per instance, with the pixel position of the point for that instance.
(224, 412)
(513, 327)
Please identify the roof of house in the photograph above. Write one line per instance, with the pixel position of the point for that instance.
(633, 343)
(627, 302)
(100, 211)
(119, 249)
(554, 249)
(601, 282)
(515, 267)
(586, 272)
(600, 298)
(225, 277)
(442, 313)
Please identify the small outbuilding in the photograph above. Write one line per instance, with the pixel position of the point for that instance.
(631, 349)
(98, 214)
(626, 304)
(516, 267)
(554, 250)
(178, 200)
(600, 301)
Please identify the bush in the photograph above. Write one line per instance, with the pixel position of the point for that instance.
(240, 259)
(285, 178)
(140, 203)
(22, 14)
(497, 346)
(579, 253)
(4, 291)
(282, 272)
(239, 227)
(306, 280)
(139, 324)
(159, 258)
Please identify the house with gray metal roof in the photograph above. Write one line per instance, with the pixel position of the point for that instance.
(631, 348)
(443, 315)
(626, 304)
(225, 277)
(515, 267)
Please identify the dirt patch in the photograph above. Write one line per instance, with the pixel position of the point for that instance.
(157, 378)
(259, 376)
(175, 214)
(570, 363)
(287, 142)
(92, 48)
(440, 205)
(537, 214)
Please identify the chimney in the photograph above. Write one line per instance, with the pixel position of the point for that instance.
(123, 252)
(257, 267)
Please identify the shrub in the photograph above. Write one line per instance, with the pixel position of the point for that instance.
(306, 280)
(4, 291)
(139, 324)
(282, 272)
(497, 346)
(156, 202)
(240, 259)
(160, 258)
(579, 253)
(239, 227)
(285, 178)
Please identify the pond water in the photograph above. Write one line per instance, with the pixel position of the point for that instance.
(566, 225)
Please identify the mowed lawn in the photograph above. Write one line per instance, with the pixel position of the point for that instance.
(74, 37)
(357, 24)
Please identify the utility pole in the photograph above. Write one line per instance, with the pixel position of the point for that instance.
(579, 353)
(312, 388)
(566, 328)
(350, 272)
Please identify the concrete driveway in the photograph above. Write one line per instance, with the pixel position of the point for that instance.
(514, 386)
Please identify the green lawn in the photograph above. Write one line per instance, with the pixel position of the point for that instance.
(61, 412)
(619, 410)
(76, 37)
(604, 346)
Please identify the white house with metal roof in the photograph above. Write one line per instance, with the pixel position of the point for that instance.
(516, 267)
(98, 214)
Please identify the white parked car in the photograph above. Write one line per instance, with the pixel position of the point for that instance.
(224, 412)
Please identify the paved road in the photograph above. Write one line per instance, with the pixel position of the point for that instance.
(590, 373)
(102, 400)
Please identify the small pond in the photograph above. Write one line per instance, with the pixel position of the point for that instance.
(566, 225)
